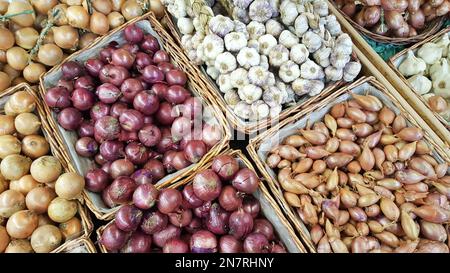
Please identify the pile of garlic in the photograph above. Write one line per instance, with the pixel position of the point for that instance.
(271, 55)
(428, 72)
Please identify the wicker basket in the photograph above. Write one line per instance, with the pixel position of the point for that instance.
(68, 139)
(431, 28)
(56, 151)
(260, 146)
(248, 127)
(81, 245)
(269, 208)
(396, 60)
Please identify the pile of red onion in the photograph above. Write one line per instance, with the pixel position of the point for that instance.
(215, 213)
(133, 115)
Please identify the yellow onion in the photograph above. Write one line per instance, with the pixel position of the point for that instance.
(131, 9)
(9, 145)
(115, 19)
(98, 23)
(26, 37)
(24, 20)
(6, 39)
(78, 17)
(66, 36)
(50, 54)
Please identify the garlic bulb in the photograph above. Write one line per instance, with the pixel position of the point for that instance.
(444, 43)
(243, 4)
(441, 86)
(273, 96)
(287, 91)
(438, 69)
(339, 59)
(225, 62)
(241, 28)
(235, 41)
(266, 43)
(221, 25)
(312, 41)
(351, 71)
(299, 53)
(311, 71)
(278, 55)
(186, 41)
(260, 110)
(213, 45)
(301, 25)
(224, 83)
(264, 62)
(241, 15)
(310, 87)
(260, 11)
(320, 8)
(253, 44)
(289, 71)
(333, 26)
(275, 111)
(201, 52)
(420, 84)
(322, 56)
(274, 28)
(243, 110)
(238, 78)
(212, 72)
(250, 93)
(232, 98)
(197, 39)
(198, 26)
(271, 80)
(258, 75)
(288, 39)
(177, 9)
(430, 53)
(185, 25)
(248, 57)
(255, 30)
(333, 74)
(289, 13)
(412, 65)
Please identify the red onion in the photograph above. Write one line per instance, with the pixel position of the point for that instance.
(176, 77)
(149, 135)
(93, 67)
(71, 70)
(251, 205)
(106, 167)
(107, 198)
(146, 103)
(194, 226)
(149, 44)
(131, 48)
(203, 241)
(100, 160)
(166, 114)
(166, 142)
(211, 134)
(161, 56)
(256, 243)
(192, 108)
(70, 118)
(66, 84)
(113, 238)
(159, 89)
(246, 181)
(136, 153)
(142, 60)
(207, 185)
(165, 67)
(107, 128)
(130, 88)
(149, 120)
(180, 127)
(105, 55)
(153, 221)
(139, 242)
(193, 135)
(195, 150)
(169, 200)
(152, 74)
(122, 57)
(113, 74)
(108, 93)
(145, 195)
(121, 167)
(86, 82)
(117, 109)
(181, 218)
(203, 210)
(128, 218)
(86, 129)
(230, 199)
(217, 220)
(179, 161)
(156, 168)
(190, 197)
(128, 136)
(142, 176)
(96, 180)
(99, 110)
(121, 190)
(168, 160)
(225, 166)
(86, 147)
(263, 227)
(161, 237)
(131, 120)
(58, 97)
(133, 34)
(240, 224)
(229, 244)
(276, 248)
(112, 150)
(176, 94)
(83, 99)
(176, 245)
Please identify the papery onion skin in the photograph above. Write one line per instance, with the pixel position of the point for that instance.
(153, 221)
(203, 241)
(207, 185)
(113, 238)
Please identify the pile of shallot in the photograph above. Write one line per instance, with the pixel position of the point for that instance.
(214, 213)
(133, 115)
(364, 181)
